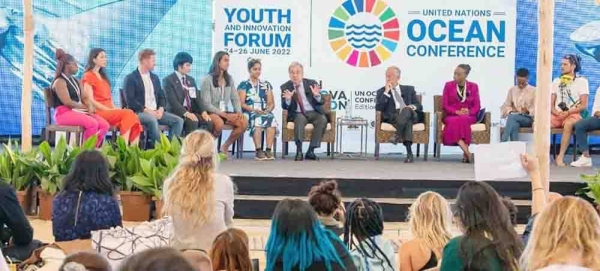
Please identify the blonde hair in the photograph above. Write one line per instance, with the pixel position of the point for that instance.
(429, 221)
(568, 225)
(190, 193)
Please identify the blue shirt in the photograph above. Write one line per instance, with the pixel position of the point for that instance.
(96, 212)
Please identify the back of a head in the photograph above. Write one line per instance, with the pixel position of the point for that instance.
(485, 221)
(157, 259)
(297, 237)
(230, 251)
(89, 261)
(430, 218)
(364, 219)
(512, 209)
(89, 173)
(568, 226)
(199, 259)
(325, 198)
(190, 192)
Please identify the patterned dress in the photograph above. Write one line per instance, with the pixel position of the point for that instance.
(256, 97)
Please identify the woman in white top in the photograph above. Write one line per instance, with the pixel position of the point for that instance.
(566, 236)
(199, 200)
(569, 99)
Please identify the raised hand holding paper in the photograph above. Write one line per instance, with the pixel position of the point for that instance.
(499, 161)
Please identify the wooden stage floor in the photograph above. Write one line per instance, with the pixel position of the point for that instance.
(387, 168)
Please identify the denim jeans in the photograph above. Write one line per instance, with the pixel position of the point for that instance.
(582, 127)
(513, 123)
(150, 124)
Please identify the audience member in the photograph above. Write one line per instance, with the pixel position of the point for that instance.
(297, 241)
(157, 259)
(199, 200)
(87, 200)
(401, 108)
(512, 210)
(489, 241)
(73, 106)
(16, 234)
(95, 81)
(363, 235)
(198, 258)
(569, 100)
(461, 106)
(258, 104)
(85, 261)
(231, 252)
(566, 236)
(222, 101)
(146, 98)
(429, 220)
(301, 97)
(183, 96)
(519, 107)
(582, 128)
(326, 199)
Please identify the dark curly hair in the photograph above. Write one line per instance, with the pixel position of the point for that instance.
(325, 197)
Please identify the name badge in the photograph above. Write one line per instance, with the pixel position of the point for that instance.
(223, 106)
(192, 91)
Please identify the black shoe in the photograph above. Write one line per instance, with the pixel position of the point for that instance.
(299, 156)
(311, 156)
(409, 159)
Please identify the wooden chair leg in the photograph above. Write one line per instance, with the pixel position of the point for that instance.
(439, 150)
(330, 150)
(68, 138)
(418, 150)
(425, 151)
(554, 151)
(46, 135)
(376, 150)
(283, 149)
(219, 142)
(434, 149)
(287, 148)
(275, 147)
(574, 148)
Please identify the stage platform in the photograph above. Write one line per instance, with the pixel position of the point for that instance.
(392, 183)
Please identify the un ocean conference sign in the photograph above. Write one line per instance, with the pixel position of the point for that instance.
(456, 33)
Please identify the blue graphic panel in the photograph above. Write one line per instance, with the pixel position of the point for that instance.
(121, 27)
(576, 31)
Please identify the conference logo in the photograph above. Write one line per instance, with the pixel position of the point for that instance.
(364, 33)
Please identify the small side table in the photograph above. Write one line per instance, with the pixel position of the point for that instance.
(352, 123)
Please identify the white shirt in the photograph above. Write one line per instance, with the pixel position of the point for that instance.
(305, 102)
(148, 91)
(185, 88)
(188, 236)
(3, 265)
(578, 87)
(397, 95)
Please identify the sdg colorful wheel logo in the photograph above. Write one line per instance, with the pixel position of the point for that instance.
(364, 33)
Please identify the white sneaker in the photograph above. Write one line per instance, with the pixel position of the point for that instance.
(582, 162)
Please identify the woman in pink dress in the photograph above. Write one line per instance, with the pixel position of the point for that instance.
(460, 102)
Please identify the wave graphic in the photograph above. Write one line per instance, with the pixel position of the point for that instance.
(364, 33)
(587, 39)
(352, 26)
(363, 36)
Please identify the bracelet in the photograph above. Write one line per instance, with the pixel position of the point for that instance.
(535, 189)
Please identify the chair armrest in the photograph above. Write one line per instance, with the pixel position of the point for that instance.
(378, 119)
(438, 125)
(284, 117)
(427, 120)
(488, 121)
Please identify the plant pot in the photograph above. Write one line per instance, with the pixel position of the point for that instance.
(158, 205)
(136, 206)
(45, 211)
(24, 200)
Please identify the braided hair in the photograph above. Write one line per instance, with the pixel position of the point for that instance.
(364, 220)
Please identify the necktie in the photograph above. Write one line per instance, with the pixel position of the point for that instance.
(186, 94)
(300, 100)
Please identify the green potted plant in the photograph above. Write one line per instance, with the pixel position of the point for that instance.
(15, 169)
(592, 189)
(52, 167)
(156, 165)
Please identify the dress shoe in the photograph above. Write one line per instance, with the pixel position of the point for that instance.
(299, 156)
(409, 159)
(311, 156)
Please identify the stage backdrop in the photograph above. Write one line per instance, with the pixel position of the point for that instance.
(121, 27)
(349, 44)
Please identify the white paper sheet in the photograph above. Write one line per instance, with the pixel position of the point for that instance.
(499, 161)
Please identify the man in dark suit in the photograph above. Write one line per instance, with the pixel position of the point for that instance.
(146, 98)
(400, 108)
(302, 99)
(183, 97)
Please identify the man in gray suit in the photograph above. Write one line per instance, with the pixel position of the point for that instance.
(183, 96)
